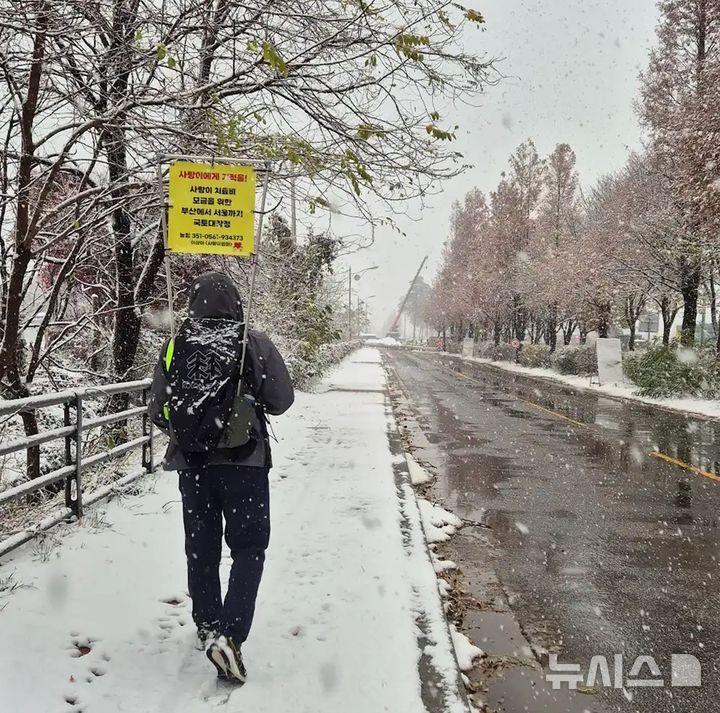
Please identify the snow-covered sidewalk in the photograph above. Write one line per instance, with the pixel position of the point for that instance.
(100, 622)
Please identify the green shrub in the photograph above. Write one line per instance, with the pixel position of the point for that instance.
(670, 371)
(631, 363)
(535, 355)
(579, 360)
(710, 364)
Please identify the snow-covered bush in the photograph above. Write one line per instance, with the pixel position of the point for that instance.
(495, 352)
(580, 360)
(150, 347)
(484, 350)
(670, 371)
(305, 365)
(503, 352)
(331, 354)
(535, 355)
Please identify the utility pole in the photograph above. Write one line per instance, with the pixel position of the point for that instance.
(404, 302)
(357, 276)
(293, 221)
(349, 303)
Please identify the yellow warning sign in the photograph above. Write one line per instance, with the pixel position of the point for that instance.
(211, 209)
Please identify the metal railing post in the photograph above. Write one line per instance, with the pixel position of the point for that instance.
(68, 453)
(78, 453)
(73, 483)
(147, 430)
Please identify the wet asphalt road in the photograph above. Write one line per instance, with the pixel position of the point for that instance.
(603, 549)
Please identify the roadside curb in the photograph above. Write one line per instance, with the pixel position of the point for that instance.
(434, 682)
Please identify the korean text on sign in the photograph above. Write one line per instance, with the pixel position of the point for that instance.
(211, 209)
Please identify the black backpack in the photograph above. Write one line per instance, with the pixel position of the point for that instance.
(209, 404)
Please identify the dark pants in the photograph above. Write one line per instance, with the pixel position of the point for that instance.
(241, 496)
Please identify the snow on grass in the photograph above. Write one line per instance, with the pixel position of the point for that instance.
(418, 474)
(444, 587)
(429, 607)
(465, 651)
(437, 525)
(104, 624)
(702, 407)
(440, 525)
(441, 566)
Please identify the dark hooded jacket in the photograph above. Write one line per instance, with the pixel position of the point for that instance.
(215, 297)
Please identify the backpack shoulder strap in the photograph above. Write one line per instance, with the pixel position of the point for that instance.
(167, 361)
(169, 351)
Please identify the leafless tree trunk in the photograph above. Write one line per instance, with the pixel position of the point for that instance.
(634, 305)
(10, 377)
(668, 309)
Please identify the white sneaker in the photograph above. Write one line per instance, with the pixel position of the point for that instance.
(225, 655)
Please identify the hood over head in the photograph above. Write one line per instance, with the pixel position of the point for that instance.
(213, 295)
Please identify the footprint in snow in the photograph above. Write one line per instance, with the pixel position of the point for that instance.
(72, 697)
(95, 672)
(174, 601)
(168, 625)
(95, 660)
(81, 645)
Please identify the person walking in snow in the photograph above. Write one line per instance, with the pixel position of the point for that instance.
(218, 442)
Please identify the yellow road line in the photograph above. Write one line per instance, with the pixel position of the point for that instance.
(655, 454)
(530, 403)
(685, 466)
(555, 413)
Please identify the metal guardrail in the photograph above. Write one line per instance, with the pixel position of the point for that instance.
(72, 433)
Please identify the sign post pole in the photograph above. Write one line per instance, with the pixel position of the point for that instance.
(163, 226)
(253, 270)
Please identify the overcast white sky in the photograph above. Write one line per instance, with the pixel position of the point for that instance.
(572, 76)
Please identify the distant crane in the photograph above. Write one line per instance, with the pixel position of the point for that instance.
(394, 329)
